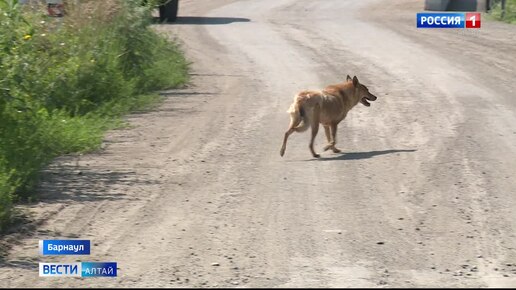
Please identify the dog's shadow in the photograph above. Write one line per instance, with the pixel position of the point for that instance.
(360, 155)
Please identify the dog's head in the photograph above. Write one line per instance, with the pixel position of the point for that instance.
(363, 92)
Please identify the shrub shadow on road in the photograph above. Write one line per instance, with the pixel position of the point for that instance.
(69, 183)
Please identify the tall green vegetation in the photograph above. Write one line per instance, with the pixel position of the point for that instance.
(509, 15)
(63, 81)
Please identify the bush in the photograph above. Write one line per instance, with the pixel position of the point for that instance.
(510, 11)
(63, 82)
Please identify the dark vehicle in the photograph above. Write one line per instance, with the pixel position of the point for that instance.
(167, 9)
(457, 5)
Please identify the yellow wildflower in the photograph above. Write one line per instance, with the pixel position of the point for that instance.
(27, 36)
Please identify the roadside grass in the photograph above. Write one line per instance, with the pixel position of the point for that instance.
(65, 81)
(510, 12)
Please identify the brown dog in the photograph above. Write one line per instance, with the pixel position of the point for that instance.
(328, 107)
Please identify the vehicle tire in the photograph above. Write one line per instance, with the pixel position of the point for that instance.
(168, 12)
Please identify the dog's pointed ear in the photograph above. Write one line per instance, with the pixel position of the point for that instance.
(348, 78)
(355, 81)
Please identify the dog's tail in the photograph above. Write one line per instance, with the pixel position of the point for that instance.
(298, 116)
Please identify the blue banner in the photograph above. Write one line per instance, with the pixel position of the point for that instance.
(440, 20)
(64, 247)
(98, 269)
(84, 269)
(60, 269)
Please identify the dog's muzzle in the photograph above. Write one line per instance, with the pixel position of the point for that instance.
(365, 100)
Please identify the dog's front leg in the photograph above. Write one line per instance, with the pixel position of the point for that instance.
(334, 137)
(328, 137)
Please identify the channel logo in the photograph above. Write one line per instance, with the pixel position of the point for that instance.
(83, 269)
(64, 247)
(98, 269)
(449, 20)
(60, 269)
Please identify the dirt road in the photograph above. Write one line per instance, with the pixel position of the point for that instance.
(196, 194)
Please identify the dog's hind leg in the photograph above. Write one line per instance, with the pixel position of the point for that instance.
(315, 128)
(289, 131)
(295, 120)
(299, 122)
